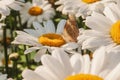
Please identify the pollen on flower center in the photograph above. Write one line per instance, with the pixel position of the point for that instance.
(90, 1)
(115, 32)
(35, 11)
(83, 77)
(52, 39)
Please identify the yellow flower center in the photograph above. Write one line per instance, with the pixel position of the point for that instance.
(51, 39)
(115, 32)
(90, 1)
(83, 77)
(35, 11)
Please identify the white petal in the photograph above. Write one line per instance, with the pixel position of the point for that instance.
(26, 39)
(4, 10)
(7, 2)
(114, 74)
(15, 6)
(38, 55)
(94, 42)
(70, 46)
(77, 63)
(55, 67)
(49, 27)
(87, 63)
(37, 1)
(32, 32)
(98, 60)
(39, 28)
(98, 22)
(29, 50)
(93, 33)
(46, 73)
(60, 55)
(110, 14)
(60, 26)
(112, 59)
(20, 32)
(116, 10)
(30, 20)
(31, 75)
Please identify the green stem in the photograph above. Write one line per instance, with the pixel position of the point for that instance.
(5, 49)
(27, 58)
(27, 61)
(11, 30)
(20, 23)
(15, 72)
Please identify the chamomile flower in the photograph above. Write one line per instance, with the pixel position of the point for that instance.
(43, 38)
(60, 66)
(81, 7)
(105, 29)
(38, 10)
(6, 5)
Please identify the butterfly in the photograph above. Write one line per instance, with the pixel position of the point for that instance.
(71, 31)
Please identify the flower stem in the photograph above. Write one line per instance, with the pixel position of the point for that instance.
(27, 59)
(15, 72)
(5, 50)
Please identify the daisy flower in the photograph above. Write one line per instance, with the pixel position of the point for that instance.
(38, 10)
(44, 38)
(60, 66)
(81, 7)
(6, 5)
(105, 29)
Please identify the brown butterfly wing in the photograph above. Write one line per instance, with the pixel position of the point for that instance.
(71, 31)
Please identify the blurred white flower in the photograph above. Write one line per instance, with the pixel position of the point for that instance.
(2, 57)
(66, 7)
(60, 66)
(3, 76)
(1, 24)
(38, 10)
(9, 79)
(8, 33)
(6, 5)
